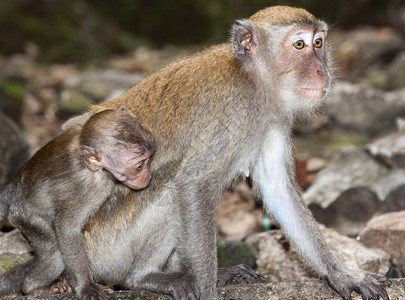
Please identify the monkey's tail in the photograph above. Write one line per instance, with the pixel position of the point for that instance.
(5, 201)
(12, 280)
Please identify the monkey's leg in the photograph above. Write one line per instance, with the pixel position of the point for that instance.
(168, 277)
(63, 285)
(59, 287)
(282, 199)
(73, 247)
(47, 263)
(12, 280)
(193, 276)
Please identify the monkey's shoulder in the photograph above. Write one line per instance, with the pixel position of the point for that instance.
(57, 155)
(206, 65)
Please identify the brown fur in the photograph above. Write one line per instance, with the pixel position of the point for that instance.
(284, 15)
(216, 115)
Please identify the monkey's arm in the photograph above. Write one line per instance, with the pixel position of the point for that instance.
(198, 244)
(274, 176)
(198, 215)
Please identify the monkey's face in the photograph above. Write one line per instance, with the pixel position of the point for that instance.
(304, 62)
(134, 171)
(290, 61)
(128, 166)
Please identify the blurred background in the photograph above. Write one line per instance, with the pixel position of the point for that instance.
(58, 57)
(88, 30)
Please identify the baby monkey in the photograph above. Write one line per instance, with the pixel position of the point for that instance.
(56, 192)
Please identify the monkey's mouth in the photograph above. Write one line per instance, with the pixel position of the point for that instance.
(313, 93)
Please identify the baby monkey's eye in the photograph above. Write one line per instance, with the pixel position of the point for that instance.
(299, 44)
(318, 43)
(140, 166)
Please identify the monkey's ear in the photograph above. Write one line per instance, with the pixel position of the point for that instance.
(131, 112)
(125, 109)
(244, 38)
(91, 158)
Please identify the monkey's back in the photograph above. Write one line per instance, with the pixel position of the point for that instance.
(204, 88)
(200, 87)
(44, 174)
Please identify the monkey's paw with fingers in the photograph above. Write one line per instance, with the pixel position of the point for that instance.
(238, 274)
(60, 287)
(184, 287)
(370, 286)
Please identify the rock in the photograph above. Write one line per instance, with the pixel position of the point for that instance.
(349, 213)
(14, 243)
(315, 164)
(387, 232)
(401, 124)
(19, 66)
(14, 249)
(391, 181)
(238, 216)
(352, 106)
(391, 76)
(100, 85)
(355, 256)
(73, 102)
(390, 149)
(278, 261)
(326, 143)
(310, 289)
(56, 75)
(351, 189)
(350, 168)
(14, 150)
(395, 200)
(91, 87)
(232, 253)
(366, 48)
(305, 170)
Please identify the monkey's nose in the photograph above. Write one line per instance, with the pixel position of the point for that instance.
(324, 76)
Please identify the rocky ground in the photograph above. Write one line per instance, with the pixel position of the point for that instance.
(297, 290)
(350, 161)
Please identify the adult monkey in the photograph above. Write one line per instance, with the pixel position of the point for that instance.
(225, 111)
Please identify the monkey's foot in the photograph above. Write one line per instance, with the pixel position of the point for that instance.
(238, 274)
(368, 285)
(105, 288)
(96, 292)
(59, 287)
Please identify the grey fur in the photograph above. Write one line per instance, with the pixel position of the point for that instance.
(54, 194)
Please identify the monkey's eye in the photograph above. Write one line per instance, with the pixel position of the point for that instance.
(140, 166)
(300, 44)
(318, 43)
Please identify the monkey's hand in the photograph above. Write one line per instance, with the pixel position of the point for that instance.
(182, 286)
(237, 274)
(368, 285)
